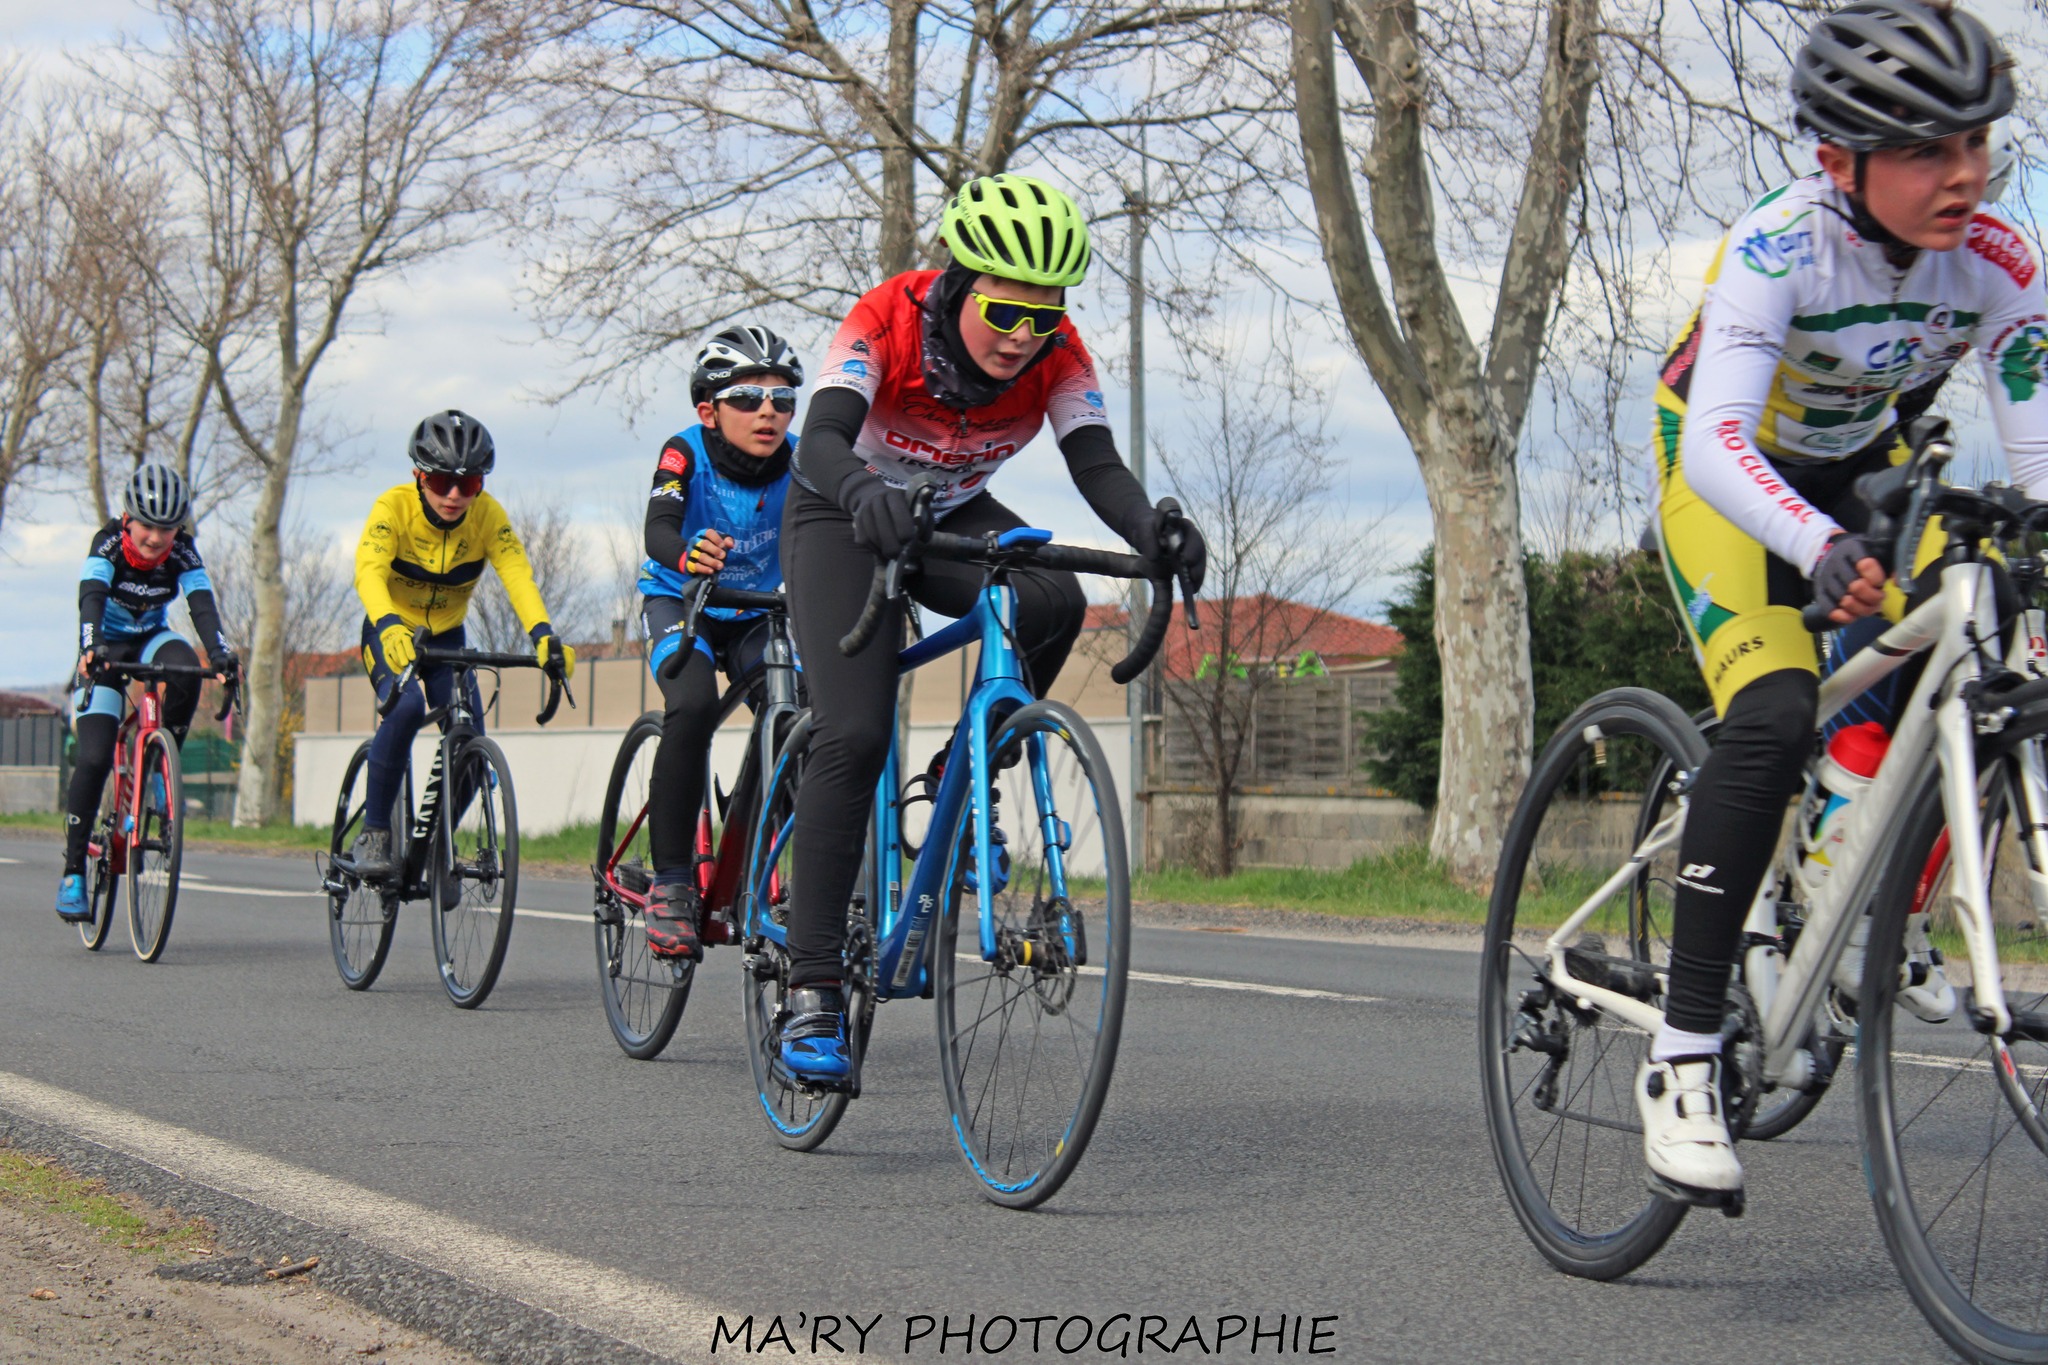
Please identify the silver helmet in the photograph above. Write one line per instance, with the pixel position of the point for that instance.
(1887, 73)
(157, 496)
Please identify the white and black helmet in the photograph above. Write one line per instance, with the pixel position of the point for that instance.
(737, 350)
(1888, 73)
(157, 496)
(2005, 159)
(453, 442)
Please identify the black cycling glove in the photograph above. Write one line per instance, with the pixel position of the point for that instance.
(882, 519)
(1144, 530)
(1837, 572)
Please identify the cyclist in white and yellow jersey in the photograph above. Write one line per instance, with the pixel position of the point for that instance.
(1827, 300)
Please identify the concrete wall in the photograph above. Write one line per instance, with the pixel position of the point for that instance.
(559, 775)
(25, 790)
(1336, 831)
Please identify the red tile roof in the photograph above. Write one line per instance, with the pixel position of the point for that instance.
(1262, 627)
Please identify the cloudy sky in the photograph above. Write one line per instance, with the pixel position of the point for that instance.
(449, 335)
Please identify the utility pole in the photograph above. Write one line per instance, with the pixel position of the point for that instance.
(1134, 695)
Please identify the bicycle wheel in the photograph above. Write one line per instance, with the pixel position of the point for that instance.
(159, 848)
(643, 995)
(473, 872)
(1028, 1040)
(360, 917)
(800, 1116)
(1559, 1080)
(1959, 1182)
(102, 882)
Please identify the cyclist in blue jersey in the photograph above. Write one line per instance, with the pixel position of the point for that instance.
(139, 564)
(716, 507)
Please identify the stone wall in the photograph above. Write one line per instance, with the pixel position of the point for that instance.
(23, 790)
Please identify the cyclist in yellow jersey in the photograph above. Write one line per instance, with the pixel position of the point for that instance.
(1828, 300)
(421, 556)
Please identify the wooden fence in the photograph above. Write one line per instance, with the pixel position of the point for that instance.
(1306, 735)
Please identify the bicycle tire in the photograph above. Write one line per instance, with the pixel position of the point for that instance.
(473, 871)
(1022, 1144)
(361, 918)
(1933, 1161)
(159, 849)
(644, 996)
(102, 882)
(1630, 1224)
(800, 1117)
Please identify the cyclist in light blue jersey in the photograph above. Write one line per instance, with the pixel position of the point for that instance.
(716, 507)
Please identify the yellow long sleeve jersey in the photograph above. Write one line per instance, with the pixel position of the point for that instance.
(409, 569)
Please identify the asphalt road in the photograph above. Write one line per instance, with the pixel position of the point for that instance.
(1261, 1153)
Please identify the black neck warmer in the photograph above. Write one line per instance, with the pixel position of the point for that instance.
(742, 468)
(950, 374)
(428, 508)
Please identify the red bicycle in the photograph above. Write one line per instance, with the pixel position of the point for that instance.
(140, 834)
(644, 995)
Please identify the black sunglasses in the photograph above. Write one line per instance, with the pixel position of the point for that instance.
(748, 397)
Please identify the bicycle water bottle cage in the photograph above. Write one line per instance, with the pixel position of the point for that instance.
(1023, 537)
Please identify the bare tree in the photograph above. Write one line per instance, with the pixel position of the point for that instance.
(321, 146)
(39, 330)
(576, 598)
(789, 154)
(1261, 482)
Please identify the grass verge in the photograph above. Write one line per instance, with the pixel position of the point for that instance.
(574, 845)
(32, 1183)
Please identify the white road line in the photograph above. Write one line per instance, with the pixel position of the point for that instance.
(9, 860)
(1260, 988)
(212, 890)
(648, 1315)
(585, 918)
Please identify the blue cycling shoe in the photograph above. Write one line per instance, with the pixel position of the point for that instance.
(814, 1035)
(71, 905)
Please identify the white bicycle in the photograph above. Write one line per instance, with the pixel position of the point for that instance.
(1954, 1117)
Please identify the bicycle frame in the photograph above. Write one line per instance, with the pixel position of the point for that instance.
(904, 914)
(1937, 726)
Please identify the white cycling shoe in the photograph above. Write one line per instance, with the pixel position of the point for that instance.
(1924, 989)
(1685, 1135)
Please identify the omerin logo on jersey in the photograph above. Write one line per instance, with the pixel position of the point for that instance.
(925, 450)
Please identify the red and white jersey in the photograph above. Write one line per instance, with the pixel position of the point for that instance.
(879, 353)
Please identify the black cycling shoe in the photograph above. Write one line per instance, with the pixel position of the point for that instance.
(371, 854)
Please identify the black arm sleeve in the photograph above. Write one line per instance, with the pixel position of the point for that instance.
(825, 455)
(206, 620)
(92, 610)
(663, 533)
(1103, 479)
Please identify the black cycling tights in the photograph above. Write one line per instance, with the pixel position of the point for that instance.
(94, 757)
(853, 701)
(1731, 835)
(689, 719)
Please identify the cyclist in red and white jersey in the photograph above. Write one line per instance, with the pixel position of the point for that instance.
(949, 374)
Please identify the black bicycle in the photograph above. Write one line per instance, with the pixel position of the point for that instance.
(459, 853)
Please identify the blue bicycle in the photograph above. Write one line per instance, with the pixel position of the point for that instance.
(1025, 827)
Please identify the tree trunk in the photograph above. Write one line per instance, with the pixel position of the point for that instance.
(1482, 635)
(262, 778)
(898, 247)
(95, 431)
(1225, 861)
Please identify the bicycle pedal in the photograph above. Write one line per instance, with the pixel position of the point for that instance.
(1730, 1202)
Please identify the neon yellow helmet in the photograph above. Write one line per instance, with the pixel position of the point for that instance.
(1017, 228)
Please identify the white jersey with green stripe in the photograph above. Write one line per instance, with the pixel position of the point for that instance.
(1807, 336)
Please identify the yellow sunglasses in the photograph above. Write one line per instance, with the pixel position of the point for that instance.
(1007, 315)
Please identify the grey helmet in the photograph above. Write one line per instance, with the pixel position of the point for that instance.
(1887, 73)
(737, 350)
(157, 496)
(2005, 159)
(452, 442)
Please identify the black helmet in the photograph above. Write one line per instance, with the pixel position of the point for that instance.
(1885, 73)
(737, 350)
(452, 442)
(157, 496)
